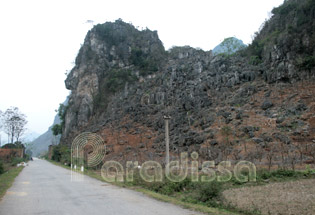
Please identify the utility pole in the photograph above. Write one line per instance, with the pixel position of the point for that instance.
(167, 139)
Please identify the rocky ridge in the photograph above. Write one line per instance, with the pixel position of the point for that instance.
(224, 107)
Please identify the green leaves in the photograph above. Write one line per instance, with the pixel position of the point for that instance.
(57, 129)
(229, 46)
(116, 79)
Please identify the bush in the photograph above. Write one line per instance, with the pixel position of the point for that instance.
(116, 79)
(1, 168)
(16, 161)
(62, 111)
(285, 9)
(57, 129)
(209, 192)
(307, 63)
(61, 153)
(255, 60)
(143, 61)
(205, 192)
(109, 33)
(173, 187)
(284, 173)
(278, 174)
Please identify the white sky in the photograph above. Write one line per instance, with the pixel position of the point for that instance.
(40, 39)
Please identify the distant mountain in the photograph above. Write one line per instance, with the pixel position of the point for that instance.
(40, 144)
(229, 46)
(30, 136)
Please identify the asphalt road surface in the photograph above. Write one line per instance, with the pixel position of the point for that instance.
(45, 189)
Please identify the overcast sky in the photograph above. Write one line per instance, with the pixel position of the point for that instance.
(40, 39)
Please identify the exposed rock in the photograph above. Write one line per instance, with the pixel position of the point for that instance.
(124, 79)
(257, 140)
(213, 142)
(266, 105)
(283, 138)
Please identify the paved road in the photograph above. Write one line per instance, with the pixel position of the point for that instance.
(45, 189)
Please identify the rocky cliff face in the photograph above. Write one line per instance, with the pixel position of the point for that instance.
(124, 82)
(286, 42)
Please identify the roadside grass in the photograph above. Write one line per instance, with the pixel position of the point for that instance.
(7, 179)
(206, 197)
(264, 177)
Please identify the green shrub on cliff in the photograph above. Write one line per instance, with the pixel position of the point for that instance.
(116, 79)
(143, 61)
(56, 129)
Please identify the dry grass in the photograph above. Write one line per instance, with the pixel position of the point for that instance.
(286, 198)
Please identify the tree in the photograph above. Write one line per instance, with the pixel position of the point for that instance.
(14, 123)
(229, 46)
(57, 129)
(293, 156)
(271, 153)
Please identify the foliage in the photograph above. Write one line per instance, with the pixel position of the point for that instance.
(61, 153)
(168, 187)
(285, 8)
(7, 179)
(194, 192)
(255, 60)
(16, 145)
(307, 63)
(116, 79)
(1, 167)
(56, 129)
(255, 51)
(280, 174)
(16, 161)
(14, 123)
(292, 21)
(107, 32)
(143, 61)
(44, 155)
(208, 192)
(229, 46)
(62, 111)
(226, 130)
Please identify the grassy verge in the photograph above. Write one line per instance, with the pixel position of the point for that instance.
(7, 179)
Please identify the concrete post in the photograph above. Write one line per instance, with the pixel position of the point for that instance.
(167, 139)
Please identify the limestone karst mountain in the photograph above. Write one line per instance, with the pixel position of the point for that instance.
(124, 82)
